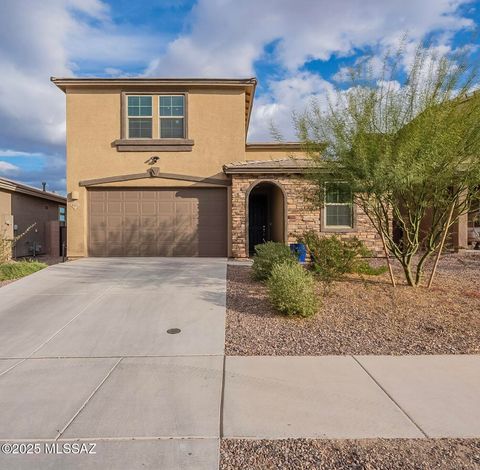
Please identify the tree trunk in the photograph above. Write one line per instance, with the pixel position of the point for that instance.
(389, 264)
(440, 249)
(408, 274)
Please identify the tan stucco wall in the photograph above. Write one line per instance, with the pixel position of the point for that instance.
(271, 154)
(28, 210)
(215, 121)
(6, 220)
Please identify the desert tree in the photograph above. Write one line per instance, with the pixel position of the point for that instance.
(406, 140)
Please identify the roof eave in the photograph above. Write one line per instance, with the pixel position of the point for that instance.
(13, 186)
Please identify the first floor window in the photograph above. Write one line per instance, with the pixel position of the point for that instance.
(172, 116)
(338, 206)
(139, 117)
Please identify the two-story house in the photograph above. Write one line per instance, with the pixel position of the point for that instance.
(161, 167)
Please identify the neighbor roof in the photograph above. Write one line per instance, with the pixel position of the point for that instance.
(248, 84)
(282, 165)
(14, 186)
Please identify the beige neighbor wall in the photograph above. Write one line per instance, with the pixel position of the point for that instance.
(6, 219)
(28, 210)
(215, 121)
(301, 215)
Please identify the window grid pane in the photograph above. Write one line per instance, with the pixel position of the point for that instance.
(339, 215)
(140, 128)
(171, 128)
(172, 106)
(338, 194)
(139, 105)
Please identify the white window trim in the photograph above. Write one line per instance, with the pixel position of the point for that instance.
(128, 117)
(171, 117)
(350, 204)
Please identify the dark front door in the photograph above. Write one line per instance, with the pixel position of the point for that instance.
(259, 226)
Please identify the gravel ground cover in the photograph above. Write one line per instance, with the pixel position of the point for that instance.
(362, 315)
(391, 454)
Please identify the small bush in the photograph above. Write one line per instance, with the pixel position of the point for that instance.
(18, 269)
(292, 290)
(267, 255)
(365, 268)
(332, 257)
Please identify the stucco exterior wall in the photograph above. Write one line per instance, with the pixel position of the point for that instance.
(301, 215)
(6, 219)
(271, 154)
(216, 123)
(26, 211)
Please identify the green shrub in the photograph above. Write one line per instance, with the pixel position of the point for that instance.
(365, 268)
(267, 255)
(332, 257)
(18, 269)
(291, 290)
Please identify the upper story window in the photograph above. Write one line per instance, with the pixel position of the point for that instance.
(338, 206)
(139, 117)
(172, 116)
(154, 121)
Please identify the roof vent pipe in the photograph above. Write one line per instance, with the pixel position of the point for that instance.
(44, 185)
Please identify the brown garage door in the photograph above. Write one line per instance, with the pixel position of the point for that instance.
(158, 222)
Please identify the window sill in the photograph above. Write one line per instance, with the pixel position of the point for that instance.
(338, 229)
(153, 145)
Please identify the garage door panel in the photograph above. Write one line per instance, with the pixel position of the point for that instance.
(158, 222)
(166, 207)
(132, 196)
(166, 195)
(97, 207)
(148, 208)
(114, 196)
(97, 196)
(98, 230)
(164, 236)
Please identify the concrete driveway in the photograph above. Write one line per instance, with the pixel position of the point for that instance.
(86, 356)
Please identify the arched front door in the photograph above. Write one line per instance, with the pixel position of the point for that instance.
(266, 215)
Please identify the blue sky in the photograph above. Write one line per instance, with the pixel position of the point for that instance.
(296, 49)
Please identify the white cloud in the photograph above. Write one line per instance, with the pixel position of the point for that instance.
(228, 36)
(7, 168)
(52, 37)
(221, 38)
(287, 96)
(14, 153)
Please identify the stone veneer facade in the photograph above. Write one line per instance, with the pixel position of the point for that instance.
(301, 215)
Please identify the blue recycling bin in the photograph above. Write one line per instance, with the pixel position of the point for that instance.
(299, 250)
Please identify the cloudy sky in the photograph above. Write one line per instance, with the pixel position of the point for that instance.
(296, 48)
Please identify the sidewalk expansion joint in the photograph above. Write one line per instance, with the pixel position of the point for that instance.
(390, 397)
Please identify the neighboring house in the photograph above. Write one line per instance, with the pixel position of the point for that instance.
(161, 167)
(20, 207)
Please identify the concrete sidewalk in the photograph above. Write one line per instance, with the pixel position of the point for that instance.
(345, 397)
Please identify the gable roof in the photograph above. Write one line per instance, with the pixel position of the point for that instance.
(248, 84)
(14, 186)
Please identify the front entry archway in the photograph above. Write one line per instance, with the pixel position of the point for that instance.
(266, 214)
